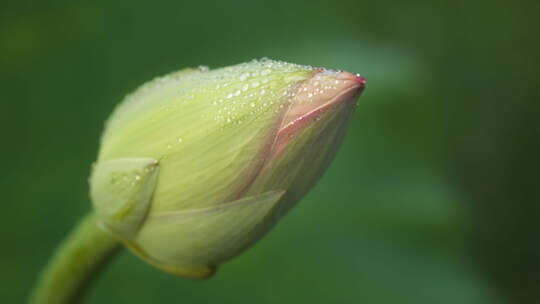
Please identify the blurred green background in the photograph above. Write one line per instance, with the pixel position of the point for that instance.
(433, 198)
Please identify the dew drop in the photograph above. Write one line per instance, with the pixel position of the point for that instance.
(244, 76)
(203, 68)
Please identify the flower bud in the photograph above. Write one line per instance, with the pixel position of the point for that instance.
(196, 166)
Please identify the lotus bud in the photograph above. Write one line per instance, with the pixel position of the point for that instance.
(196, 166)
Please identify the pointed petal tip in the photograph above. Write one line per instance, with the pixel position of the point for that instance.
(346, 80)
(361, 81)
(325, 88)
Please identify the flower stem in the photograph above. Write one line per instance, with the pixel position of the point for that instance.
(75, 263)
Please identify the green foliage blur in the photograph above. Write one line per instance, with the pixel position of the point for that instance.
(434, 197)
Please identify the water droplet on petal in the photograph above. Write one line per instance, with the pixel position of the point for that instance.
(203, 68)
(244, 76)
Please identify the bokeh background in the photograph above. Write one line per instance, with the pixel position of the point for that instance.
(433, 198)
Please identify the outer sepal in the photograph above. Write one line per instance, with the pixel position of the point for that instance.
(121, 190)
(192, 243)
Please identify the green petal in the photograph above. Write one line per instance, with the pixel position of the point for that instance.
(195, 240)
(211, 131)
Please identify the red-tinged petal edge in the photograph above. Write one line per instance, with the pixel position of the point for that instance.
(322, 93)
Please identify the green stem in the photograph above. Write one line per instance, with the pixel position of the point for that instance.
(76, 262)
